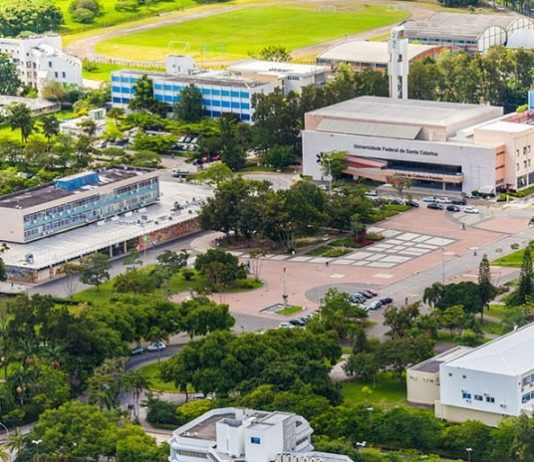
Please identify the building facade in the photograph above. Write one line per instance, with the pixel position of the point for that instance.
(246, 435)
(469, 32)
(287, 76)
(487, 383)
(40, 59)
(75, 201)
(447, 146)
(221, 92)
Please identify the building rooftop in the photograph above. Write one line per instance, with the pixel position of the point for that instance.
(278, 68)
(431, 365)
(510, 354)
(504, 126)
(68, 245)
(219, 78)
(458, 25)
(371, 115)
(361, 51)
(35, 104)
(52, 191)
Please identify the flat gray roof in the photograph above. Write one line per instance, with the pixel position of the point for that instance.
(49, 192)
(407, 111)
(360, 51)
(458, 25)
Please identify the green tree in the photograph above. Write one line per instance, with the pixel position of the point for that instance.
(277, 53)
(486, 287)
(94, 269)
(222, 269)
(173, 261)
(19, 116)
(334, 163)
(200, 316)
(233, 151)
(279, 157)
(339, 314)
(433, 294)
(37, 16)
(189, 107)
(465, 293)
(525, 286)
(3, 271)
(215, 174)
(50, 126)
(106, 384)
(143, 99)
(9, 80)
(53, 91)
(400, 183)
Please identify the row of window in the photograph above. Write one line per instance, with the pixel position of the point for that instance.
(527, 397)
(92, 200)
(526, 150)
(119, 78)
(467, 395)
(528, 379)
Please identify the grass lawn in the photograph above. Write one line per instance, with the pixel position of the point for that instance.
(497, 310)
(512, 260)
(102, 71)
(386, 390)
(237, 34)
(492, 327)
(289, 310)
(151, 374)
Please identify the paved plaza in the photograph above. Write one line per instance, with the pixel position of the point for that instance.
(396, 248)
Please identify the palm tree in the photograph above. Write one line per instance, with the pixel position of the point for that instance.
(15, 442)
(50, 126)
(19, 116)
(432, 294)
(5, 454)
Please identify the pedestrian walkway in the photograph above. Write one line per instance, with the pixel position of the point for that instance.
(396, 248)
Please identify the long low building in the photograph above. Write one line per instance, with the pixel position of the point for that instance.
(487, 383)
(174, 215)
(448, 146)
(363, 54)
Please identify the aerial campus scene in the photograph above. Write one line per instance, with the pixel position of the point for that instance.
(266, 231)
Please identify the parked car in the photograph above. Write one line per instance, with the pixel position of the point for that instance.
(453, 208)
(368, 293)
(429, 199)
(412, 203)
(443, 200)
(434, 206)
(372, 291)
(297, 322)
(372, 193)
(285, 325)
(374, 306)
(459, 201)
(357, 298)
(138, 350)
(471, 209)
(156, 346)
(386, 300)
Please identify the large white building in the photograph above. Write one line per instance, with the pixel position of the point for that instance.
(40, 59)
(287, 76)
(470, 32)
(449, 146)
(246, 435)
(487, 383)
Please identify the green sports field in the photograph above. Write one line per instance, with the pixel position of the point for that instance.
(238, 34)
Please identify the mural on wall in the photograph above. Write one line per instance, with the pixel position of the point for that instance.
(21, 275)
(155, 238)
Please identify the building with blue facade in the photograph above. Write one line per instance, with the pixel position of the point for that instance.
(75, 201)
(221, 91)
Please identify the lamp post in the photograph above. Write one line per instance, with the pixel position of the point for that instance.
(469, 450)
(37, 443)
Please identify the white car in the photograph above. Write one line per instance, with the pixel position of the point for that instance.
(156, 346)
(430, 199)
(443, 200)
(372, 193)
(285, 325)
(470, 209)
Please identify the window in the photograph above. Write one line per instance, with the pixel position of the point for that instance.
(478, 398)
(244, 94)
(466, 395)
(255, 440)
(235, 94)
(64, 75)
(56, 75)
(490, 399)
(49, 63)
(517, 152)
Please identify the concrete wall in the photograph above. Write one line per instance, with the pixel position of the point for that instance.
(422, 387)
(459, 414)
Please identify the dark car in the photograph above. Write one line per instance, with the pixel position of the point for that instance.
(386, 300)
(368, 293)
(297, 322)
(373, 292)
(358, 298)
(413, 203)
(453, 208)
(434, 206)
(459, 202)
(138, 350)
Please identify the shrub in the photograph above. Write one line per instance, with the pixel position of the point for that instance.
(127, 5)
(374, 236)
(334, 252)
(83, 15)
(161, 412)
(91, 5)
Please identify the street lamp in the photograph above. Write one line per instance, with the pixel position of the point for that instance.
(37, 443)
(469, 450)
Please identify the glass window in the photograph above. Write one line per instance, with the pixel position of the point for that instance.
(215, 103)
(245, 94)
(206, 102)
(245, 106)
(255, 440)
(235, 105)
(235, 94)
(225, 103)
(225, 93)
(215, 92)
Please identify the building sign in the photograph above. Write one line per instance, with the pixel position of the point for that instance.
(415, 152)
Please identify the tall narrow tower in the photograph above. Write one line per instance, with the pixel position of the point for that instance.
(398, 66)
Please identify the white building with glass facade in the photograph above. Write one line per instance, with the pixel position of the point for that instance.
(40, 59)
(246, 435)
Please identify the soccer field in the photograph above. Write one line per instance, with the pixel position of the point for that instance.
(238, 34)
